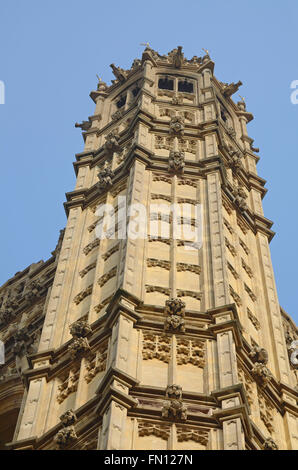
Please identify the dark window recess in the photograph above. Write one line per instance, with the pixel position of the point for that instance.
(166, 84)
(185, 86)
(135, 90)
(223, 114)
(121, 102)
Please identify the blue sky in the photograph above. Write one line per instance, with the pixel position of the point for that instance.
(50, 53)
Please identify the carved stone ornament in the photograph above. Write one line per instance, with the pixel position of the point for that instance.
(78, 347)
(240, 197)
(65, 436)
(175, 311)
(146, 428)
(105, 177)
(84, 125)
(235, 159)
(269, 444)
(258, 354)
(177, 57)
(80, 329)
(230, 89)
(262, 374)
(174, 406)
(111, 144)
(119, 73)
(176, 162)
(33, 290)
(117, 115)
(6, 315)
(177, 125)
(68, 418)
(22, 342)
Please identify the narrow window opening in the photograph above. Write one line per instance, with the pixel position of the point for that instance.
(223, 114)
(135, 91)
(185, 86)
(166, 84)
(121, 102)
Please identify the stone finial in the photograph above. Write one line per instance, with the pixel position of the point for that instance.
(101, 86)
(174, 406)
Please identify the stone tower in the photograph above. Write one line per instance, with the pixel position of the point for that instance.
(162, 327)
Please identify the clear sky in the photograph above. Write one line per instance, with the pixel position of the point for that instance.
(50, 53)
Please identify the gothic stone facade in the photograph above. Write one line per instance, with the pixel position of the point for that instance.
(123, 343)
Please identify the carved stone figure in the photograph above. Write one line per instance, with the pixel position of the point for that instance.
(22, 342)
(119, 73)
(65, 436)
(68, 418)
(80, 329)
(177, 57)
(269, 444)
(33, 290)
(111, 144)
(175, 311)
(85, 125)
(258, 354)
(262, 374)
(176, 162)
(174, 406)
(78, 347)
(6, 315)
(175, 307)
(230, 89)
(235, 160)
(105, 177)
(177, 125)
(240, 198)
